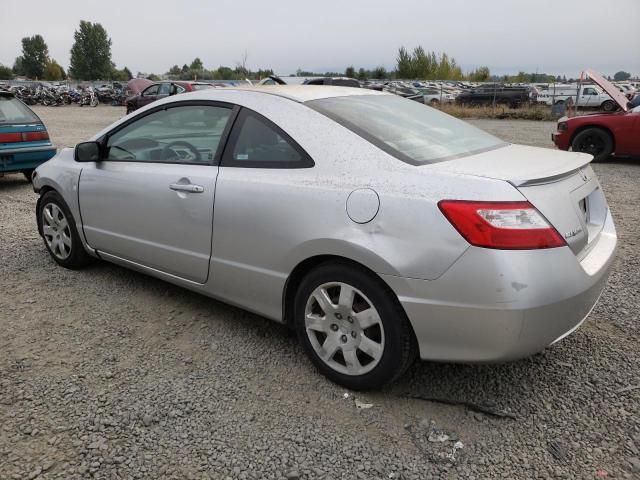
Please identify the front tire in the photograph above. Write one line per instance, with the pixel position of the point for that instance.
(594, 141)
(352, 327)
(608, 106)
(59, 232)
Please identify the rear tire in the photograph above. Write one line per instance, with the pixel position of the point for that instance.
(352, 327)
(59, 232)
(594, 141)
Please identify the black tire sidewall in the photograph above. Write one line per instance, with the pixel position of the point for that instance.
(606, 138)
(396, 329)
(78, 257)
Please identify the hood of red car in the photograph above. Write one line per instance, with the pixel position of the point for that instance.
(136, 85)
(611, 89)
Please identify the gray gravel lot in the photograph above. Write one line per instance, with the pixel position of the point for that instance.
(106, 373)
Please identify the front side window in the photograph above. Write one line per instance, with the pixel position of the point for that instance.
(406, 129)
(187, 134)
(256, 142)
(152, 90)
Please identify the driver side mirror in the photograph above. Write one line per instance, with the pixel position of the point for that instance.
(87, 152)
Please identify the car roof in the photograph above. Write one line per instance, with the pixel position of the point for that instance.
(305, 93)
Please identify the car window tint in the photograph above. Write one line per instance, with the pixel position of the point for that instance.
(152, 90)
(188, 134)
(258, 141)
(165, 89)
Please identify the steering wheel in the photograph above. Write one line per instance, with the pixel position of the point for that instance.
(168, 152)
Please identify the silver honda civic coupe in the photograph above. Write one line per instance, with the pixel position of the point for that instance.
(380, 229)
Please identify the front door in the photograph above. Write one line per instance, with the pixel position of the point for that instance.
(150, 200)
(149, 94)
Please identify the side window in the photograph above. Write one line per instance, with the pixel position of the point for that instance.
(165, 89)
(590, 91)
(152, 90)
(256, 142)
(187, 134)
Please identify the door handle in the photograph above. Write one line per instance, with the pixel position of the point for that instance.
(186, 187)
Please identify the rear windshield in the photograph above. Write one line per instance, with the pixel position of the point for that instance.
(13, 110)
(406, 129)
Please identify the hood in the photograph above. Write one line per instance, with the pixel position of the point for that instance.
(136, 85)
(612, 90)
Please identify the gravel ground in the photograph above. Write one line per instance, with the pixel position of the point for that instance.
(106, 373)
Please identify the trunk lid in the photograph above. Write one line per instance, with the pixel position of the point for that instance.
(561, 185)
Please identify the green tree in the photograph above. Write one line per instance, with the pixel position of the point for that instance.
(91, 53)
(174, 72)
(362, 74)
(196, 65)
(379, 73)
(35, 55)
(153, 77)
(621, 76)
(5, 73)
(350, 72)
(480, 74)
(404, 63)
(421, 64)
(123, 75)
(18, 68)
(53, 71)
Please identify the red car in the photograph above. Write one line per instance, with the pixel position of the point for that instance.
(602, 134)
(160, 90)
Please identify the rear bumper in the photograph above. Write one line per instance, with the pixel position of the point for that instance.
(18, 159)
(499, 305)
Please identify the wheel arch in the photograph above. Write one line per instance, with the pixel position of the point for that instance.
(41, 191)
(591, 125)
(307, 265)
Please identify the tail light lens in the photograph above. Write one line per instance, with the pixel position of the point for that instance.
(23, 137)
(35, 136)
(501, 225)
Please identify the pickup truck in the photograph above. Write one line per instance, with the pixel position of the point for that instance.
(590, 96)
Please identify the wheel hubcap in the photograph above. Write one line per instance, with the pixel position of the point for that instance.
(344, 328)
(56, 231)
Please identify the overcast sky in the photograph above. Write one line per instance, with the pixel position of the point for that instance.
(552, 36)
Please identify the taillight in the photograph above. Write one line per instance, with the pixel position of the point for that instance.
(35, 136)
(23, 137)
(501, 225)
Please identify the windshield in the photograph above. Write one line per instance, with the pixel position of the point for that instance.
(13, 111)
(408, 130)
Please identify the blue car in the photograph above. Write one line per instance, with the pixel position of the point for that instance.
(24, 140)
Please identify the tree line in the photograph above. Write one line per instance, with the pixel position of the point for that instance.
(90, 59)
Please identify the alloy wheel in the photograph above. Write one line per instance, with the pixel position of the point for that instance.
(344, 328)
(592, 144)
(56, 231)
